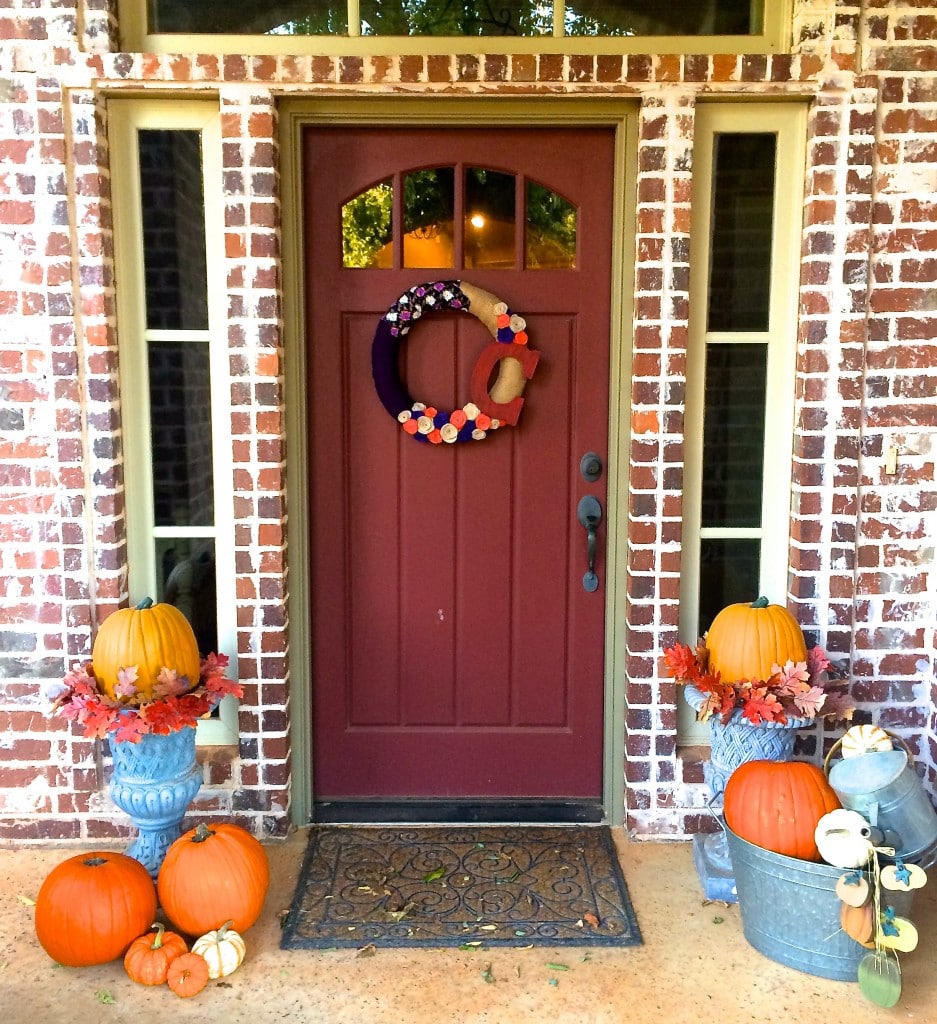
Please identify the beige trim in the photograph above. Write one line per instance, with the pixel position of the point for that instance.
(125, 119)
(294, 115)
(774, 38)
(789, 121)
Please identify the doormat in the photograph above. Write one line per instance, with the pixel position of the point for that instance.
(451, 886)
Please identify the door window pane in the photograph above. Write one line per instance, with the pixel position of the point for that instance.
(674, 18)
(173, 229)
(729, 570)
(550, 230)
(490, 218)
(367, 228)
(743, 205)
(428, 218)
(250, 17)
(180, 428)
(734, 434)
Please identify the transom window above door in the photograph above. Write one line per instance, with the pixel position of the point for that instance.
(468, 18)
(681, 26)
(465, 217)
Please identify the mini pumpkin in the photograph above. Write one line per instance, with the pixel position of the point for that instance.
(224, 950)
(211, 875)
(150, 637)
(746, 640)
(777, 805)
(92, 906)
(187, 975)
(148, 959)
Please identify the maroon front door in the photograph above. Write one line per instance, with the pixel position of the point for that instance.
(457, 655)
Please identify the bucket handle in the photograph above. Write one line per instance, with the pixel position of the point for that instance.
(892, 736)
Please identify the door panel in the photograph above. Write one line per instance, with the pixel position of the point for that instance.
(456, 653)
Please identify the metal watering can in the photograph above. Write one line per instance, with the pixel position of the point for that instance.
(884, 788)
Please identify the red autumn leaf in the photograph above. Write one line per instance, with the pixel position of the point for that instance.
(681, 662)
(131, 728)
(762, 706)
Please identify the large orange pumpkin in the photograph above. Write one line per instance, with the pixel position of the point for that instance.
(212, 875)
(91, 907)
(777, 804)
(746, 640)
(151, 637)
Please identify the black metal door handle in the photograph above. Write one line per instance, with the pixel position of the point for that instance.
(589, 514)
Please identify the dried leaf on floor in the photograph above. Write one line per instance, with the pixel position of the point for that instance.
(104, 995)
(369, 950)
(487, 976)
(27, 901)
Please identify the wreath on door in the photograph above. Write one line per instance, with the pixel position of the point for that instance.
(510, 351)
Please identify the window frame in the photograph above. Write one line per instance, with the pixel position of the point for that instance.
(126, 117)
(788, 122)
(775, 37)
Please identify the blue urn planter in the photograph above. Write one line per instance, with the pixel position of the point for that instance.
(733, 744)
(154, 781)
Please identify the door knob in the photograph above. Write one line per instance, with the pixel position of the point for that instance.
(589, 514)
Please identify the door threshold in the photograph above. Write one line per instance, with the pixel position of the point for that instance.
(458, 812)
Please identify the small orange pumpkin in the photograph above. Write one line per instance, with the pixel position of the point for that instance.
(777, 804)
(212, 875)
(187, 975)
(746, 640)
(91, 907)
(150, 637)
(148, 959)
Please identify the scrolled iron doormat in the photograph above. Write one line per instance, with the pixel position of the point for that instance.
(451, 886)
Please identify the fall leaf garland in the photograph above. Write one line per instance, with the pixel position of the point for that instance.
(174, 706)
(794, 689)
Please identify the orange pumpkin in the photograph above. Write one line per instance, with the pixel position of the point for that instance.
(148, 959)
(150, 637)
(777, 804)
(212, 875)
(187, 974)
(91, 907)
(746, 640)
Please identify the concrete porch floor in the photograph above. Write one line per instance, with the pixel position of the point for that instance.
(695, 966)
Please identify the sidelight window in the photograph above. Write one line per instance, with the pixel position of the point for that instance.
(747, 197)
(174, 402)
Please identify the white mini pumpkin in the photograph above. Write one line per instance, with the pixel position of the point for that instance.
(223, 950)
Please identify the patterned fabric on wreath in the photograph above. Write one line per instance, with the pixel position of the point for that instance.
(487, 411)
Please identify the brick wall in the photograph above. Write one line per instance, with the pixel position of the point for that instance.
(862, 537)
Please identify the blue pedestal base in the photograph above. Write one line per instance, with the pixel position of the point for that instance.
(711, 857)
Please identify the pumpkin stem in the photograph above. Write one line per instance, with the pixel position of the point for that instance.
(94, 862)
(147, 602)
(202, 832)
(158, 940)
(761, 602)
(223, 929)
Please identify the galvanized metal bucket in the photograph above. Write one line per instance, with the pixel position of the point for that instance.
(884, 788)
(790, 911)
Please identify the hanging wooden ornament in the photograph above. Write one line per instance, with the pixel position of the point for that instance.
(880, 978)
(903, 877)
(853, 889)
